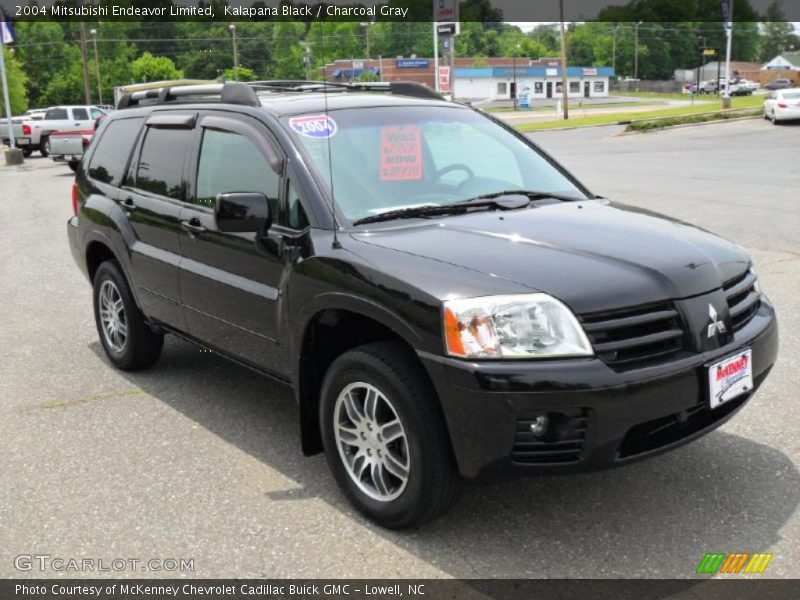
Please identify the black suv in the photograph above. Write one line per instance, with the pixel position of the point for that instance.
(447, 301)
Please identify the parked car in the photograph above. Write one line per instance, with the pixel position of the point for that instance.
(782, 105)
(68, 146)
(740, 87)
(33, 134)
(708, 87)
(446, 300)
(779, 84)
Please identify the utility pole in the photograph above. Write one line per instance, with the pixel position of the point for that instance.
(636, 53)
(564, 91)
(614, 51)
(514, 69)
(97, 67)
(87, 97)
(232, 29)
(726, 99)
(435, 57)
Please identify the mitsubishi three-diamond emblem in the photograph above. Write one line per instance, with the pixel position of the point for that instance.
(715, 326)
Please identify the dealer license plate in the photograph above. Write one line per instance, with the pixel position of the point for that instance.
(730, 378)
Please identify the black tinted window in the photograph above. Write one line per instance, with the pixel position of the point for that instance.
(111, 155)
(80, 114)
(296, 216)
(229, 162)
(160, 169)
(56, 113)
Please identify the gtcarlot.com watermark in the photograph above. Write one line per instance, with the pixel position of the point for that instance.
(60, 564)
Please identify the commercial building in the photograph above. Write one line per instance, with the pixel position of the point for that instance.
(483, 78)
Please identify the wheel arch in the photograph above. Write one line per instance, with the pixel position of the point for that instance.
(331, 325)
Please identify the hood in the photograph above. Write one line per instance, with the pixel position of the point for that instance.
(593, 255)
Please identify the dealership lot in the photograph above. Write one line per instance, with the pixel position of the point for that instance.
(199, 459)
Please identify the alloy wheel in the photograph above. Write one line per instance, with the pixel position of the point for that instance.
(371, 441)
(112, 316)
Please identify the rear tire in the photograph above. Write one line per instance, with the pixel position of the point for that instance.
(44, 146)
(27, 152)
(127, 339)
(408, 474)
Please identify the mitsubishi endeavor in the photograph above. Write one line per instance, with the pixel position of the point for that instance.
(447, 302)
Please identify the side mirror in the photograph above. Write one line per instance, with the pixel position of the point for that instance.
(242, 212)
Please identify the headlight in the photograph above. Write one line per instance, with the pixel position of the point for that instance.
(514, 326)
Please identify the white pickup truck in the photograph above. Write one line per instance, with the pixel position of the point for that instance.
(32, 135)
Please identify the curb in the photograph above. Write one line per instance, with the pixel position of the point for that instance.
(687, 125)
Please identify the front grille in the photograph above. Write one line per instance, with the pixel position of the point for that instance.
(743, 299)
(562, 443)
(635, 337)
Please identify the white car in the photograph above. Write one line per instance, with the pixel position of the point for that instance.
(782, 105)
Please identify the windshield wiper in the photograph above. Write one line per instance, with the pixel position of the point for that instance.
(423, 211)
(505, 200)
(531, 195)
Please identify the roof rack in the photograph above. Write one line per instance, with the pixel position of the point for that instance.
(400, 88)
(245, 93)
(228, 93)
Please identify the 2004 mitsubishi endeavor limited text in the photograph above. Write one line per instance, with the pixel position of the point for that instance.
(448, 302)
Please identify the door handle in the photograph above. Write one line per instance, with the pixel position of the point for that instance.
(193, 226)
(128, 204)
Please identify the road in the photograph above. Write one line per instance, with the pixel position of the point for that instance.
(198, 458)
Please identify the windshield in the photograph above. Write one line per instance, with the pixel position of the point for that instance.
(389, 158)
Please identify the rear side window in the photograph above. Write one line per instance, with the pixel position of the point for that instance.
(229, 162)
(56, 114)
(111, 155)
(80, 114)
(160, 168)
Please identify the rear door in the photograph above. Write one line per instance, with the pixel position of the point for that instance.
(151, 196)
(231, 288)
(80, 119)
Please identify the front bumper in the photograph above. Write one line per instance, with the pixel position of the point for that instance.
(609, 418)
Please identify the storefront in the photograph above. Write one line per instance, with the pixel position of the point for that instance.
(504, 83)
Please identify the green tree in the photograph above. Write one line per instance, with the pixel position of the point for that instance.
(17, 95)
(240, 74)
(154, 68)
(778, 35)
(368, 76)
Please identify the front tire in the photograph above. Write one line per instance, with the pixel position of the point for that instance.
(127, 339)
(385, 438)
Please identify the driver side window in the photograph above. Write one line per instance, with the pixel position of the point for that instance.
(229, 162)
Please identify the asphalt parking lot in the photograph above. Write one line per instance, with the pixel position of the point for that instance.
(199, 458)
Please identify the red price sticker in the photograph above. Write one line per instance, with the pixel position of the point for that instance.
(401, 153)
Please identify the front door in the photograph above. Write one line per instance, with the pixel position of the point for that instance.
(513, 90)
(230, 288)
(586, 89)
(549, 89)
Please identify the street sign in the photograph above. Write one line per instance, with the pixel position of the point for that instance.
(448, 29)
(709, 52)
(444, 80)
(726, 13)
(445, 11)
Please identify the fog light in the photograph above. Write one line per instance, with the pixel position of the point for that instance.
(539, 425)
